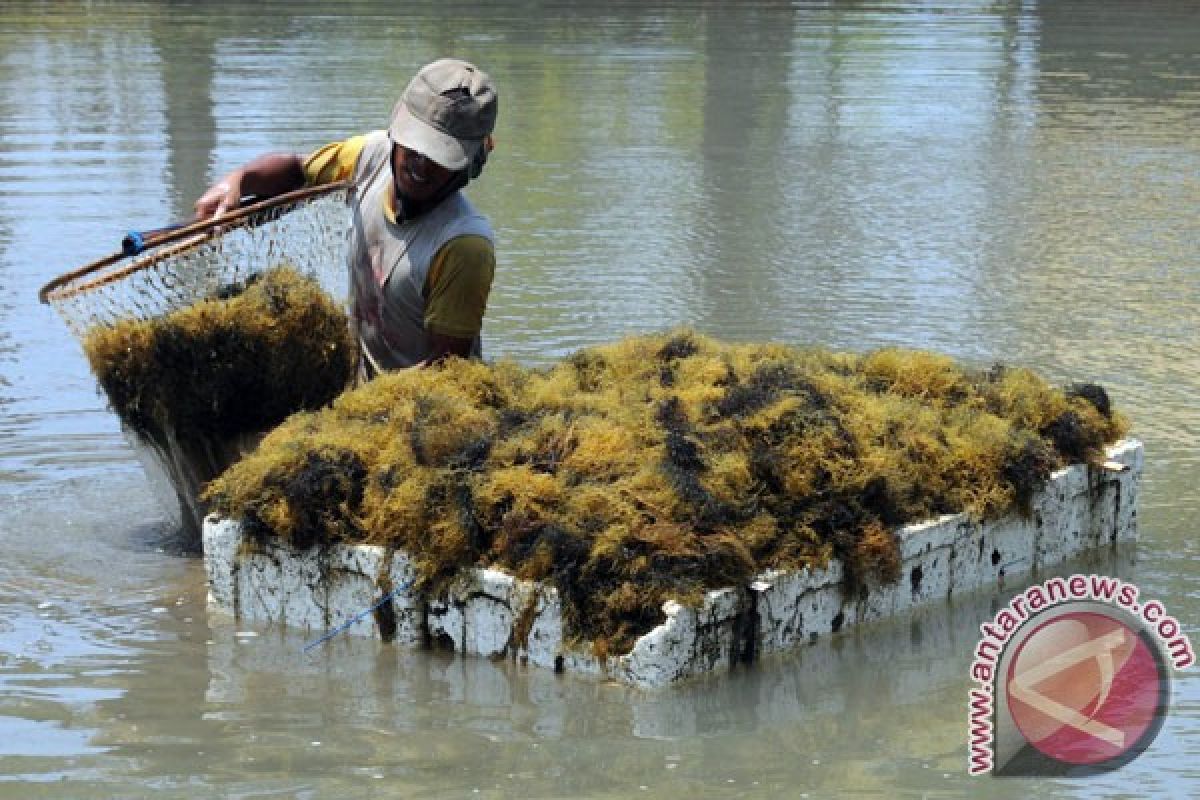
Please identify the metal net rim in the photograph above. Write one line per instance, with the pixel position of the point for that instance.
(115, 267)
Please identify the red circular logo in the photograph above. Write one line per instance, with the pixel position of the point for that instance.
(1085, 688)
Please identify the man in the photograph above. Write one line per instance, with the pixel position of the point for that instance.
(421, 257)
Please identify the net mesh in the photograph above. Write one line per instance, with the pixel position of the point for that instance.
(306, 229)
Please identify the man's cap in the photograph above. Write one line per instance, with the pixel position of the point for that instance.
(446, 112)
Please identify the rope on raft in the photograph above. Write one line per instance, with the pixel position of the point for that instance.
(387, 598)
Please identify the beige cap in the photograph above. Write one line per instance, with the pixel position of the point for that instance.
(446, 112)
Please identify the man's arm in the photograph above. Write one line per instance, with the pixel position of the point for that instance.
(443, 347)
(266, 176)
(456, 295)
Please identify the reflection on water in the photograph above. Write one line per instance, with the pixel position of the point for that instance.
(204, 705)
(1000, 181)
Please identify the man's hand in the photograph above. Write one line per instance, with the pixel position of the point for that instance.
(220, 198)
(269, 175)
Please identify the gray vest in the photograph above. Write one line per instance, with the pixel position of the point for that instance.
(389, 263)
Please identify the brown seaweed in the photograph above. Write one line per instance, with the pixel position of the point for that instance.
(626, 489)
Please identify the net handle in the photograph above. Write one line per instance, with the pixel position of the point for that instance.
(187, 237)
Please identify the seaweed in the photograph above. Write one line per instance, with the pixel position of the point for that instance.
(238, 363)
(661, 467)
(1094, 394)
(324, 494)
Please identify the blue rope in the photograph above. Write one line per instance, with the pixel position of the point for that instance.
(386, 598)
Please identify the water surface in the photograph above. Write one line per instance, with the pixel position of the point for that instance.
(1001, 181)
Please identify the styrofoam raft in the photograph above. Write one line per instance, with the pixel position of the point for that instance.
(489, 613)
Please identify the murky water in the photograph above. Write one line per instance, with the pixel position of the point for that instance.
(1001, 181)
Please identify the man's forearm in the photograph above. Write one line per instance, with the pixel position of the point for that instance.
(266, 176)
(272, 174)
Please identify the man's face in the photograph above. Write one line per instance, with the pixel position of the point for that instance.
(417, 177)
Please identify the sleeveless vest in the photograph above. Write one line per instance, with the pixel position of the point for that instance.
(390, 262)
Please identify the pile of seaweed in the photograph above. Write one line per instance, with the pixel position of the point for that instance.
(662, 466)
(233, 364)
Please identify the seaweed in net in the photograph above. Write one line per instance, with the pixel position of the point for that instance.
(225, 367)
(198, 386)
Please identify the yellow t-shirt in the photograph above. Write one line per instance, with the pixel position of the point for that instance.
(460, 277)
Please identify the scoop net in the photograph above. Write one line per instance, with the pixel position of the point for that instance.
(305, 229)
(175, 270)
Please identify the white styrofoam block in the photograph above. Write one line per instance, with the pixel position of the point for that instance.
(490, 613)
(358, 578)
(257, 583)
(544, 641)
(407, 606)
(1125, 519)
(799, 606)
(446, 623)
(222, 538)
(276, 583)
(351, 580)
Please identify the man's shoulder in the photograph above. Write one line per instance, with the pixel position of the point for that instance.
(348, 158)
(375, 149)
(375, 140)
(460, 217)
